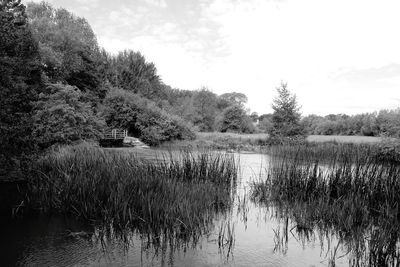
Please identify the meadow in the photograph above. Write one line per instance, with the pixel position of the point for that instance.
(222, 141)
(257, 141)
(355, 139)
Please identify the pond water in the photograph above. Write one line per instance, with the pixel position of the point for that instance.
(261, 238)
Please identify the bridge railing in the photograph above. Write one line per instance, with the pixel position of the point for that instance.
(115, 134)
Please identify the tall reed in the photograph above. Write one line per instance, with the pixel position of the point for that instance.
(178, 195)
(344, 190)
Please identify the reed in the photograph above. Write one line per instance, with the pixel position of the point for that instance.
(350, 173)
(173, 195)
(345, 191)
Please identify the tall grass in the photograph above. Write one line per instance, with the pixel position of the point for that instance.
(341, 189)
(387, 151)
(302, 174)
(174, 195)
(224, 141)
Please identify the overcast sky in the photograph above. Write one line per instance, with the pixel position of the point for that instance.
(338, 56)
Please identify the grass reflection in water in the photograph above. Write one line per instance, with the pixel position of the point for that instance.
(171, 201)
(349, 200)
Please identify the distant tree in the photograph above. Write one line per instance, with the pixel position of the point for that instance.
(20, 81)
(265, 123)
(388, 122)
(62, 117)
(234, 119)
(204, 103)
(254, 116)
(230, 99)
(286, 116)
(310, 123)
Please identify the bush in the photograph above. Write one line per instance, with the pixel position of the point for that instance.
(61, 117)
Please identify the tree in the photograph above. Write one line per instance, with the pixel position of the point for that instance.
(20, 80)
(62, 117)
(254, 116)
(265, 123)
(229, 99)
(286, 116)
(204, 104)
(234, 119)
(143, 119)
(129, 70)
(67, 45)
(388, 122)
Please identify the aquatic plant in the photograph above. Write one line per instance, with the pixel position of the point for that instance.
(176, 195)
(341, 190)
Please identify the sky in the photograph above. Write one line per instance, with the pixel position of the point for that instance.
(337, 56)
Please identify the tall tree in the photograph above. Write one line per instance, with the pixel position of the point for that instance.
(235, 119)
(230, 99)
(204, 104)
(67, 45)
(130, 70)
(286, 116)
(20, 80)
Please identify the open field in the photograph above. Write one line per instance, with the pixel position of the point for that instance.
(344, 139)
(218, 135)
(217, 140)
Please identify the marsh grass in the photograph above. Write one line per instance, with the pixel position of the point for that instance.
(340, 190)
(224, 141)
(174, 196)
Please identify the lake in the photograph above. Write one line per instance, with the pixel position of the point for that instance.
(261, 237)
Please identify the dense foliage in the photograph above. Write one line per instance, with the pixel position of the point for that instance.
(20, 81)
(142, 118)
(67, 45)
(234, 119)
(62, 116)
(382, 123)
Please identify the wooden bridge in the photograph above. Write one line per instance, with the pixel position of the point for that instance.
(113, 137)
(119, 137)
(115, 134)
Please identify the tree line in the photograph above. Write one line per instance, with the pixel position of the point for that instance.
(57, 86)
(286, 120)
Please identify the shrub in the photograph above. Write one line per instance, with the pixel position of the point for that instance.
(61, 117)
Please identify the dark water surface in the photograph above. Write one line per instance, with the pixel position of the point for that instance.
(260, 239)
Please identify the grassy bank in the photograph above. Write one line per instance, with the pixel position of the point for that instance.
(353, 139)
(223, 141)
(256, 142)
(178, 195)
